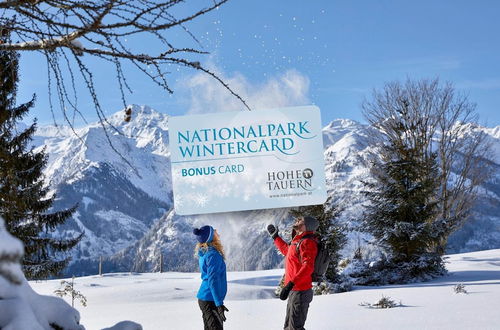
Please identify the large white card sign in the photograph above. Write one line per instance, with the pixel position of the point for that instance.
(235, 161)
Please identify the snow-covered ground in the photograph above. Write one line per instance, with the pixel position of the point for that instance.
(167, 301)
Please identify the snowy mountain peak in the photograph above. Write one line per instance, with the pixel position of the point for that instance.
(344, 132)
(142, 116)
(341, 123)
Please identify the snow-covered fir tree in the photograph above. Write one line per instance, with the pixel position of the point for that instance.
(24, 198)
(20, 306)
(403, 203)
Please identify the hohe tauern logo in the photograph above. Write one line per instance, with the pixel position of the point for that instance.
(290, 179)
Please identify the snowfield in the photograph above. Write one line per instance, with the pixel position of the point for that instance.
(167, 300)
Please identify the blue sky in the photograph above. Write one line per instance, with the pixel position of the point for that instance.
(328, 53)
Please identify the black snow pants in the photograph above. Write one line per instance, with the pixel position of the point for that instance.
(210, 320)
(296, 309)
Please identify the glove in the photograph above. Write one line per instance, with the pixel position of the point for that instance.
(273, 231)
(219, 313)
(286, 290)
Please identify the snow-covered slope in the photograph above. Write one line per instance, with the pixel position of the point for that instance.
(127, 213)
(168, 300)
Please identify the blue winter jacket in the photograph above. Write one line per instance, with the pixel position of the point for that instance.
(213, 274)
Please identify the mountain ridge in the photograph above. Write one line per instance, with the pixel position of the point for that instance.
(90, 173)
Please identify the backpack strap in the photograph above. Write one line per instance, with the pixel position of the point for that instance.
(308, 236)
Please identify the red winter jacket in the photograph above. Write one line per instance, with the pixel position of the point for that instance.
(295, 271)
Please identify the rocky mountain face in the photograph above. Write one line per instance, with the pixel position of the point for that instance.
(125, 203)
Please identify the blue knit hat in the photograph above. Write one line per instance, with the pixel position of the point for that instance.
(205, 234)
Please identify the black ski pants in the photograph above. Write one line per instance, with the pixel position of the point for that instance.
(210, 320)
(296, 309)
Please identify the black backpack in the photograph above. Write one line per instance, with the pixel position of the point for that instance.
(321, 261)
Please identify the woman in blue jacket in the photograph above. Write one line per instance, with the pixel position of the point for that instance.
(213, 275)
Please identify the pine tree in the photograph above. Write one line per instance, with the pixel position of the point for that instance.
(427, 118)
(403, 204)
(24, 200)
(332, 233)
(403, 194)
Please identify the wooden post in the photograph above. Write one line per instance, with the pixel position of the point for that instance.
(100, 266)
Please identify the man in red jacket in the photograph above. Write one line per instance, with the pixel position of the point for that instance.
(298, 270)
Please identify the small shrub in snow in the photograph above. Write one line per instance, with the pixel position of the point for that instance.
(459, 288)
(384, 302)
(68, 288)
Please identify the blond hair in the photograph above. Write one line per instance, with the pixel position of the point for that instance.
(216, 243)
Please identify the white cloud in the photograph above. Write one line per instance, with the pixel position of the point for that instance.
(207, 95)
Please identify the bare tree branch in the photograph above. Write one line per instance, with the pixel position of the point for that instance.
(69, 33)
(100, 29)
